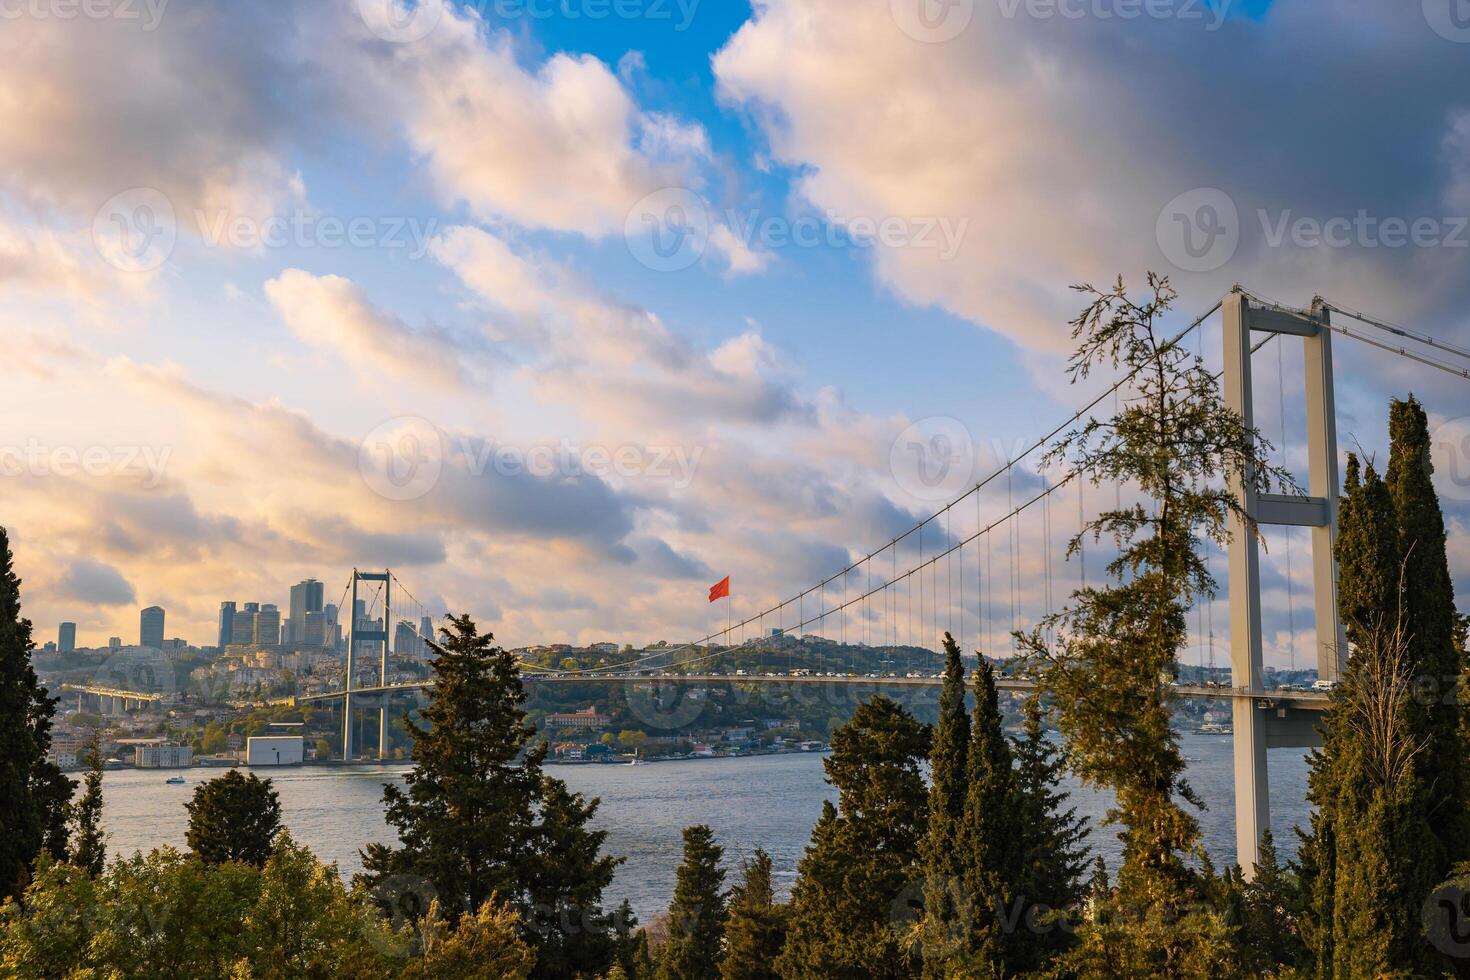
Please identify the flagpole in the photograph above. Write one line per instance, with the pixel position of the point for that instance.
(729, 617)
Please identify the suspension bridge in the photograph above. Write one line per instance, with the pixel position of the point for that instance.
(984, 566)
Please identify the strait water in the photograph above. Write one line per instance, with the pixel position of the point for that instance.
(760, 801)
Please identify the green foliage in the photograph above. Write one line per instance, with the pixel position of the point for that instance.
(1052, 843)
(168, 914)
(1118, 645)
(483, 946)
(945, 907)
(33, 790)
(1271, 909)
(857, 887)
(697, 915)
(234, 817)
(88, 844)
(756, 929)
(479, 818)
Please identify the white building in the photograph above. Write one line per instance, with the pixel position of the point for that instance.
(275, 750)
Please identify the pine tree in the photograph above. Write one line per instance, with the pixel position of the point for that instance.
(941, 924)
(1430, 622)
(698, 912)
(35, 793)
(756, 929)
(234, 817)
(88, 844)
(855, 882)
(1117, 646)
(479, 818)
(1053, 844)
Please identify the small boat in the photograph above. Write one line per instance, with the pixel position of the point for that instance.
(635, 761)
(174, 781)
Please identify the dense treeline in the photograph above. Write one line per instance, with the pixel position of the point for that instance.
(951, 850)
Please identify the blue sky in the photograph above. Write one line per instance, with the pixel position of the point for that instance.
(959, 166)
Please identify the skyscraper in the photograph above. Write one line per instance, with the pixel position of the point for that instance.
(426, 630)
(226, 624)
(268, 625)
(66, 638)
(306, 597)
(150, 627)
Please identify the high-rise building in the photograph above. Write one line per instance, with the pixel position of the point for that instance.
(114, 643)
(243, 629)
(406, 642)
(226, 624)
(150, 627)
(268, 625)
(66, 638)
(306, 597)
(315, 632)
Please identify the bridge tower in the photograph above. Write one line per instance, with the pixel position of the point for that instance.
(1257, 725)
(356, 635)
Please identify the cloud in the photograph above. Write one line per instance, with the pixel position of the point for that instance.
(94, 582)
(561, 146)
(332, 314)
(1060, 141)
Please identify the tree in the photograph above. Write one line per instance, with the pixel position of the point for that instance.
(88, 844)
(697, 915)
(33, 817)
(756, 929)
(1430, 625)
(479, 818)
(1271, 910)
(483, 946)
(1052, 843)
(234, 817)
(1117, 645)
(858, 883)
(948, 783)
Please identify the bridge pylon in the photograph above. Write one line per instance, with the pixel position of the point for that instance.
(356, 635)
(1256, 727)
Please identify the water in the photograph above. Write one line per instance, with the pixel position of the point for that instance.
(760, 801)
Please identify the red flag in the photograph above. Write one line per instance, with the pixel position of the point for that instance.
(720, 590)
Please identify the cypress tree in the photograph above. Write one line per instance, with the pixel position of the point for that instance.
(756, 929)
(88, 844)
(948, 781)
(35, 793)
(1053, 843)
(1430, 621)
(1271, 909)
(853, 887)
(697, 915)
(234, 817)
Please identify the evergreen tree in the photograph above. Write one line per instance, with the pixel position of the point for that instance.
(862, 866)
(1053, 843)
(1271, 907)
(479, 818)
(1117, 645)
(88, 844)
(1430, 625)
(234, 817)
(941, 925)
(756, 929)
(630, 945)
(697, 915)
(35, 793)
